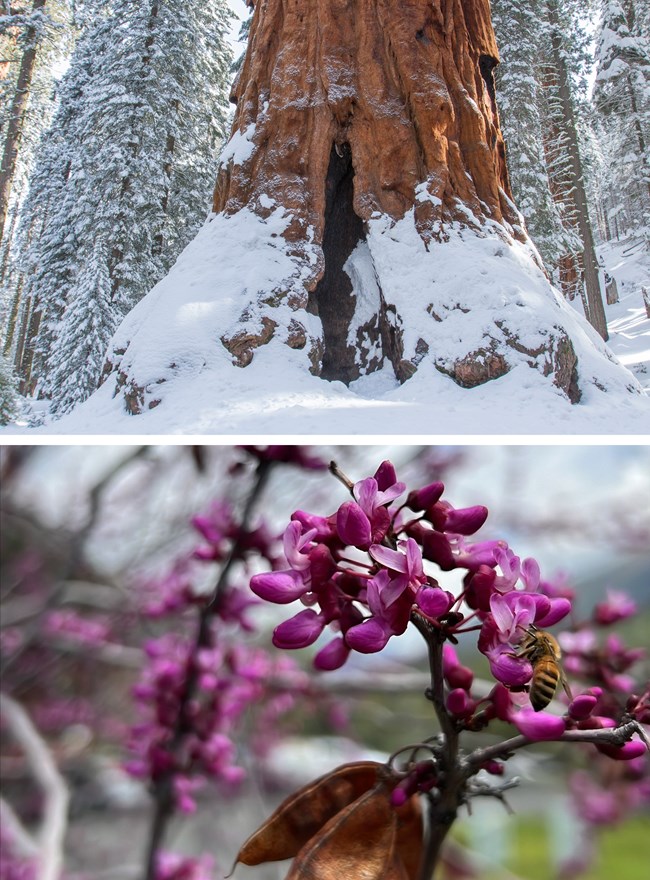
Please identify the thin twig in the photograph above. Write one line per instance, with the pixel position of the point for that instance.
(338, 473)
(163, 787)
(613, 736)
(55, 809)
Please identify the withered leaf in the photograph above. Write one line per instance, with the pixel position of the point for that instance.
(410, 836)
(304, 813)
(358, 843)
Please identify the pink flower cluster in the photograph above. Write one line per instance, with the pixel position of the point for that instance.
(193, 739)
(232, 680)
(89, 631)
(375, 564)
(361, 570)
(370, 598)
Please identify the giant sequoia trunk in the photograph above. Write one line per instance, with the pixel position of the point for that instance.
(359, 108)
(363, 215)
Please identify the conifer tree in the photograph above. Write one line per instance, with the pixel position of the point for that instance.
(133, 152)
(8, 392)
(520, 36)
(622, 98)
(84, 332)
(49, 33)
(563, 148)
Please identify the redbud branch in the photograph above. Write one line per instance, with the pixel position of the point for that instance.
(443, 810)
(616, 736)
(163, 794)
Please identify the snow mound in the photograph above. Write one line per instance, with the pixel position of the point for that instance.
(476, 292)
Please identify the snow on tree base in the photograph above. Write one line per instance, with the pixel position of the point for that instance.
(492, 347)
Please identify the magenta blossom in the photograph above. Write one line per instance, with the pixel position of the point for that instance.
(618, 606)
(512, 615)
(538, 725)
(406, 564)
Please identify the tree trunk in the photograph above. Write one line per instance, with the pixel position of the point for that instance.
(365, 182)
(17, 117)
(353, 106)
(596, 314)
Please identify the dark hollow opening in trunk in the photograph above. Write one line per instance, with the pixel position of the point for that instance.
(332, 299)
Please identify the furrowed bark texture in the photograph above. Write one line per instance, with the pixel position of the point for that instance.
(366, 178)
(407, 86)
(596, 310)
(354, 103)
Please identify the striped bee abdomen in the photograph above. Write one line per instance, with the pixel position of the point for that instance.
(544, 682)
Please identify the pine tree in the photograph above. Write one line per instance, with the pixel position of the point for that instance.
(520, 36)
(622, 99)
(562, 59)
(8, 392)
(84, 333)
(134, 149)
(53, 34)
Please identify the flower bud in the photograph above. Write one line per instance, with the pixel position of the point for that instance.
(437, 548)
(432, 601)
(460, 677)
(385, 476)
(353, 525)
(465, 521)
(458, 703)
(582, 707)
(421, 499)
(332, 656)
(299, 631)
(496, 768)
(626, 752)
(281, 587)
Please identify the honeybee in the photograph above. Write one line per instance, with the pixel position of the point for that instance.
(543, 652)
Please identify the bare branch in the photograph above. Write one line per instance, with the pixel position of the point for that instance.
(19, 836)
(336, 471)
(616, 736)
(45, 771)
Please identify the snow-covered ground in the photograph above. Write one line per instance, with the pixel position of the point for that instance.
(629, 264)
(276, 395)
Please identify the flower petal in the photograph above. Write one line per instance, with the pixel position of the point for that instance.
(332, 656)
(392, 559)
(508, 669)
(559, 609)
(353, 525)
(281, 587)
(538, 725)
(369, 637)
(299, 631)
(465, 521)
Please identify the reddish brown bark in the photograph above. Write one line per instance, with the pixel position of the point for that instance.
(350, 106)
(408, 86)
